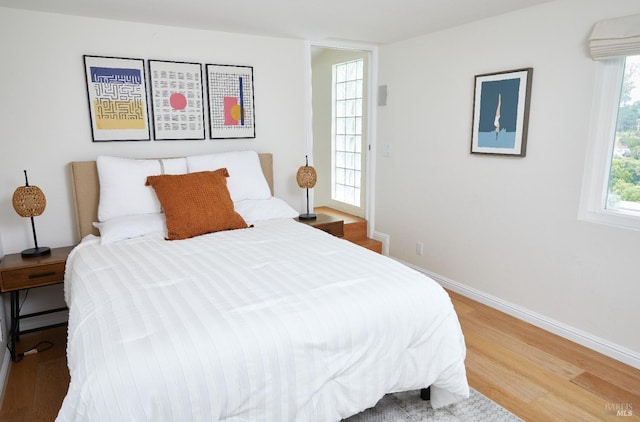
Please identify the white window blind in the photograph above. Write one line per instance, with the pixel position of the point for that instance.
(615, 38)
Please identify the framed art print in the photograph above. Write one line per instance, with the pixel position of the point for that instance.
(501, 112)
(177, 104)
(117, 93)
(231, 102)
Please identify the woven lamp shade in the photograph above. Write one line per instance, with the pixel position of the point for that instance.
(29, 201)
(306, 177)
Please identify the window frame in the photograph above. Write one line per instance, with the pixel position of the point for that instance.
(604, 114)
(334, 133)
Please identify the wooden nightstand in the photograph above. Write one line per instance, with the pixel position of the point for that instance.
(18, 273)
(327, 223)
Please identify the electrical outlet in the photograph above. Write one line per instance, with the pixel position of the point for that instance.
(419, 248)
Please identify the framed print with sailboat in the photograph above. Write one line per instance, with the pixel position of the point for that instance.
(501, 112)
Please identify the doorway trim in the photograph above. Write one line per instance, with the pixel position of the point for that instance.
(372, 118)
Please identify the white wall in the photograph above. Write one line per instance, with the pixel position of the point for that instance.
(506, 226)
(44, 119)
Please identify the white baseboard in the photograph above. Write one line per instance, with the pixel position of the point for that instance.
(607, 348)
(4, 370)
(385, 239)
(44, 320)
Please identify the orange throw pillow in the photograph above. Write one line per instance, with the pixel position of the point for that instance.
(196, 203)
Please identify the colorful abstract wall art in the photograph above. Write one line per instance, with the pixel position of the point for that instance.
(231, 101)
(176, 100)
(117, 93)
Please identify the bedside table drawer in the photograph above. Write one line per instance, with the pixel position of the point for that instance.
(327, 223)
(32, 276)
(335, 227)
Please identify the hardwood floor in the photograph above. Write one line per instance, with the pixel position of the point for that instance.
(38, 383)
(540, 376)
(535, 374)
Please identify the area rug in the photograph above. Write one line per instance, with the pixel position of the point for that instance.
(409, 407)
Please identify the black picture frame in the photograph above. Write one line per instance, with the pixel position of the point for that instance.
(117, 97)
(231, 101)
(501, 112)
(177, 100)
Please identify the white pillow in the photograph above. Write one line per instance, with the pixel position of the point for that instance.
(131, 226)
(122, 189)
(253, 210)
(245, 181)
(173, 166)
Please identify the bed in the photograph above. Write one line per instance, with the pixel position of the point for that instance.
(276, 321)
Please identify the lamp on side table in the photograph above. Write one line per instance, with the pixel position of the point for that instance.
(306, 178)
(29, 201)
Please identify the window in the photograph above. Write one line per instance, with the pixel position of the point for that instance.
(612, 177)
(346, 160)
(624, 168)
(611, 183)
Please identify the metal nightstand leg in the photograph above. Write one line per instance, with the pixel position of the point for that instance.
(14, 332)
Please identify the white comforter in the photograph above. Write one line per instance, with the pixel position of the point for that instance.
(279, 322)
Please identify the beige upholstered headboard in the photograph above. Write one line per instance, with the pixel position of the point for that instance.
(86, 191)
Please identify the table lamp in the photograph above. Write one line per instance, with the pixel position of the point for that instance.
(29, 201)
(306, 178)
